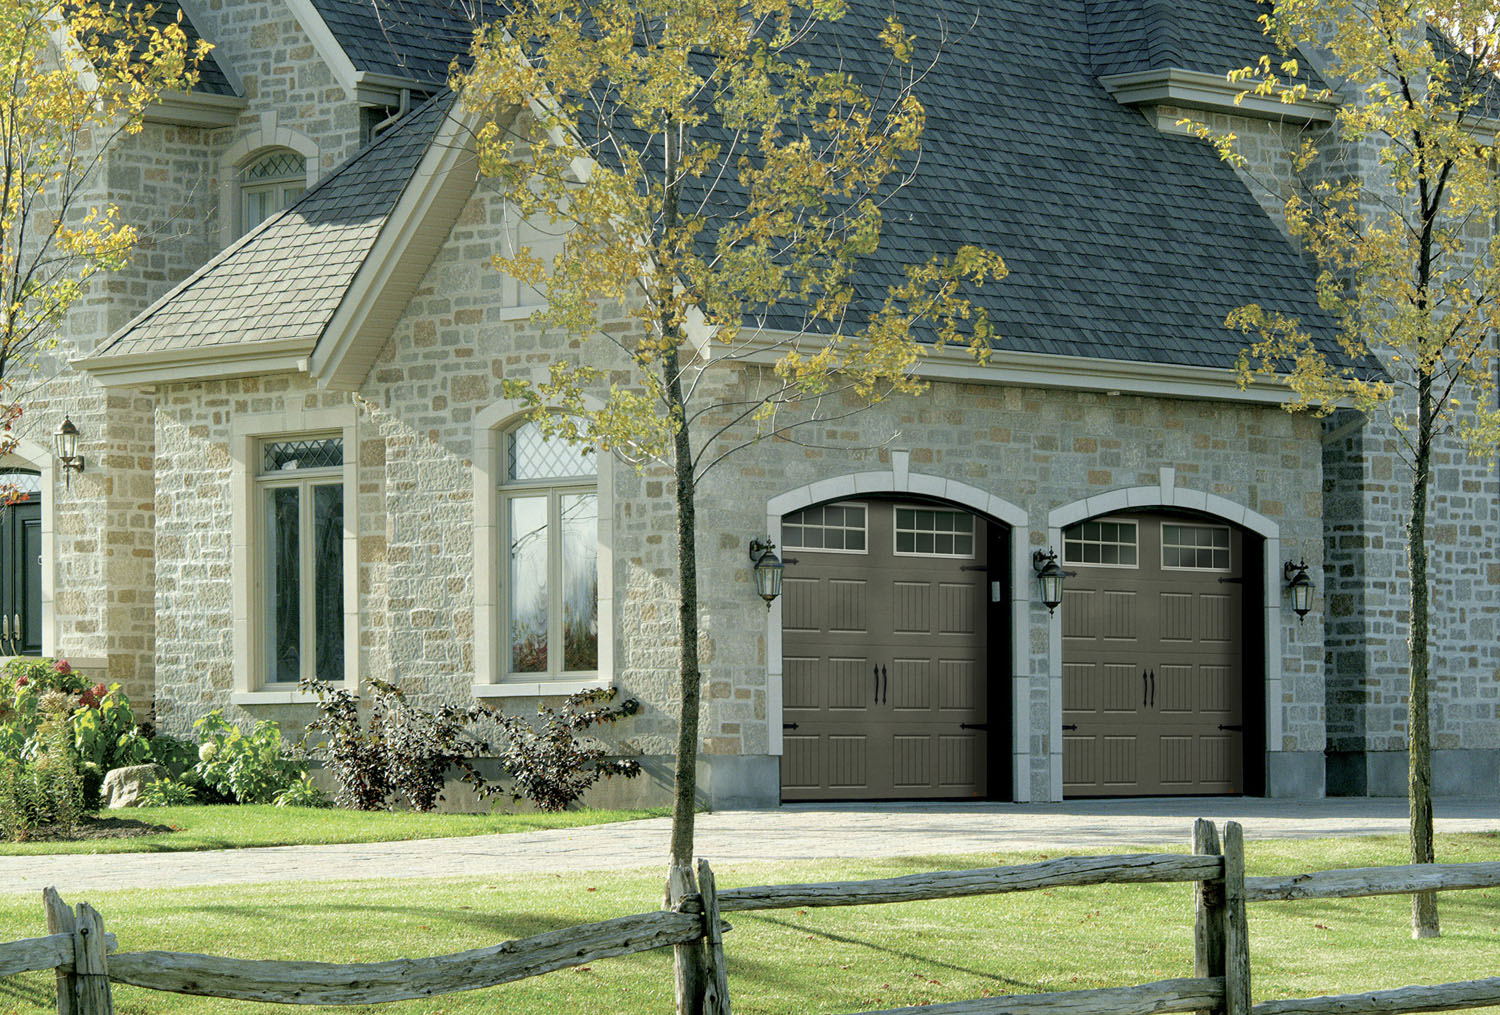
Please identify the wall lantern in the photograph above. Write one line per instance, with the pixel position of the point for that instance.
(67, 450)
(1051, 575)
(768, 568)
(1300, 586)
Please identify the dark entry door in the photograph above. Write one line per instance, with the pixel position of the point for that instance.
(21, 568)
(1153, 657)
(884, 654)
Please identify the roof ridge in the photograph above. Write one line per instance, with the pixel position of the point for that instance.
(269, 222)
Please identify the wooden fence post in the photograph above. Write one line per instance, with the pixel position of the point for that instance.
(91, 964)
(716, 980)
(1236, 928)
(1208, 908)
(688, 970)
(60, 921)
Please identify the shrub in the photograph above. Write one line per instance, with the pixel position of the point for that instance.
(47, 787)
(172, 753)
(549, 763)
(106, 736)
(302, 793)
(167, 793)
(247, 768)
(404, 749)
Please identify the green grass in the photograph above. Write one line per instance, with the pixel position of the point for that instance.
(797, 961)
(236, 827)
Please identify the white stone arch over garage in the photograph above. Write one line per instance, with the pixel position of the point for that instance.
(1167, 494)
(900, 479)
(269, 134)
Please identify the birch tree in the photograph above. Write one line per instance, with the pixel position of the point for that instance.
(719, 189)
(1408, 262)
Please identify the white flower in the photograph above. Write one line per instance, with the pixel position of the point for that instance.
(208, 751)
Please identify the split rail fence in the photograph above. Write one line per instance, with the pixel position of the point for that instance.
(79, 949)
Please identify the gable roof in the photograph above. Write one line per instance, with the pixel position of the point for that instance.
(212, 80)
(411, 39)
(1124, 244)
(277, 287)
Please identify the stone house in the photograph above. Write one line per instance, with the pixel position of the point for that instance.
(298, 460)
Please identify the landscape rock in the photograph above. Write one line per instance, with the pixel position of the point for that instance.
(123, 786)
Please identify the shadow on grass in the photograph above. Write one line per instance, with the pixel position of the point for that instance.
(877, 946)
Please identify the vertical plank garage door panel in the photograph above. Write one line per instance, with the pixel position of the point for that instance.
(1153, 657)
(884, 656)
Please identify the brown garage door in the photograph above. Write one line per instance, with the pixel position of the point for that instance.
(883, 652)
(1153, 657)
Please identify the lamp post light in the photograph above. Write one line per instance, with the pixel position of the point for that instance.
(767, 570)
(1051, 575)
(1300, 586)
(66, 438)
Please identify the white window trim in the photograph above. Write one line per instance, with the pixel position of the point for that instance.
(490, 677)
(896, 532)
(1115, 520)
(246, 434)
(269, 134)
(1228, 548)
(788, 546)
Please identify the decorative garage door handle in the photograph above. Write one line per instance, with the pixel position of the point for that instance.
(788, 725)
(876, 671)
(885, 693)
(1153, 688)
(1144, 692)
(973, 725)
(1236, 727)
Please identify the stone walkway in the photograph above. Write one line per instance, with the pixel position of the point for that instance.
(803, 832)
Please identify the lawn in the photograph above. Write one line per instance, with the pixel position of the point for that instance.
(797, 961)
(238, 826)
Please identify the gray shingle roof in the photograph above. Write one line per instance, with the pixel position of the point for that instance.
(413, 39)
(1214, 36)
(211, 77)
(285, 278)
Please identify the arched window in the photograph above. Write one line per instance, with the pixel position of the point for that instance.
(268, 183)
(549, 507)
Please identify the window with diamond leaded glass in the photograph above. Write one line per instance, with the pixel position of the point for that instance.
(268, 184)
(300, 492)
(550, 512)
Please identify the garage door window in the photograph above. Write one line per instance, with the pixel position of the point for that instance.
(1102, 543)
(1195, 547)
(835, 528)
(924, 532)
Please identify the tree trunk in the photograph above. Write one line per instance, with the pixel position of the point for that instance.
(1424, 915)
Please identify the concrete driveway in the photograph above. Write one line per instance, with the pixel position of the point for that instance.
(798, 832)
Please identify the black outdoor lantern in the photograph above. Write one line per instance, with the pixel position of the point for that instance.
(1051, 575)
(67, 450)
(1300, 586)
(768, 568)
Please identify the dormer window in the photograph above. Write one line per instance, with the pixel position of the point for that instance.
(270, 182)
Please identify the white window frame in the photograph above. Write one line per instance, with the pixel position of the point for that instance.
(1228, 547)
(248, 434)
(304, 481)
(862, 505)
(519, 300)
(279, 187)
(895, 533)
(1132, 522)
(492, 677)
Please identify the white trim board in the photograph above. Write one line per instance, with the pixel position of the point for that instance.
(900, 479)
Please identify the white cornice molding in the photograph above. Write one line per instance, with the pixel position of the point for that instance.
(196, 109)
(198, 363)
(1075, 373)
(1213, 92)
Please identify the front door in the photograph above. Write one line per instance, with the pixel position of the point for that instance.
(884, 654)
(21, 566)
(1153, 657)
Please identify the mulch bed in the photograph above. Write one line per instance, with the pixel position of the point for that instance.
(96, 828)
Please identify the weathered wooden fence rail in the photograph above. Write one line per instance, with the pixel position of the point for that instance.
(78, 948)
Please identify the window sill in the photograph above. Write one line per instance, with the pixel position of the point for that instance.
(291, 696)
(536, 689)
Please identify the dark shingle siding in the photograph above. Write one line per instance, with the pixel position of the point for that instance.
(287, 277)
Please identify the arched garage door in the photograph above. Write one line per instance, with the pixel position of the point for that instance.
(889, 622)
(1155, 674)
